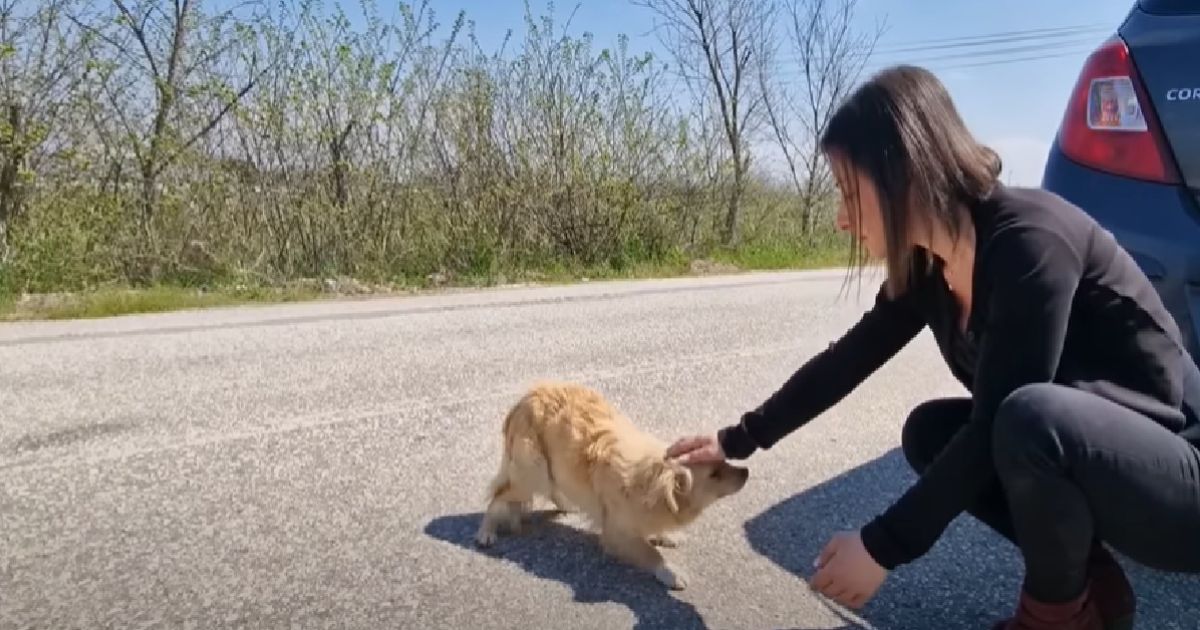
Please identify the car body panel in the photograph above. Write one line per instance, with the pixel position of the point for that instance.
(1166, 52)
(1157, 223)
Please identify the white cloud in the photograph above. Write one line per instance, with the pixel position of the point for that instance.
(1024, 159)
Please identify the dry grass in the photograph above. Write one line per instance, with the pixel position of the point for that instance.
(115, 301)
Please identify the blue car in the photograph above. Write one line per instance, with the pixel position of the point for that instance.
(1128, 148)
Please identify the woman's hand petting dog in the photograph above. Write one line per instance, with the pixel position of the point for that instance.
(846, 573)
(696, 449)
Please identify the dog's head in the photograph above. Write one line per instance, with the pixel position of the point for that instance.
(710, 482)
(688, 489)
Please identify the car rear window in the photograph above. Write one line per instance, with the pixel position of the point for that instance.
(1170, 7)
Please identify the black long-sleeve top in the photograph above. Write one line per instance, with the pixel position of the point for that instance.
(1055, 299)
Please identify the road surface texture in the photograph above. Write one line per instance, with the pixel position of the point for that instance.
(323, 465)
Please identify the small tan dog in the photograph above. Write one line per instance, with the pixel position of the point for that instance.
(565, 443)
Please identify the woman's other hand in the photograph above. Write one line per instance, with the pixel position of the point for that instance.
(846, 572)
(696, 449)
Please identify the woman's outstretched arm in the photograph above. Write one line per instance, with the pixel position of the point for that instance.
(827, 377)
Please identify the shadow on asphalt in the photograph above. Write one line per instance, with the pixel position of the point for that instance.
(968, 580)
(552, 550)
(791, 534)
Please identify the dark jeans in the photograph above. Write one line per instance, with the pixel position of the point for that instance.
(1074, 468)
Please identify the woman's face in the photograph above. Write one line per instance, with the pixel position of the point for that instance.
(859, 212)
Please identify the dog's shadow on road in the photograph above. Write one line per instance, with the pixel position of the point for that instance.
(550, 549)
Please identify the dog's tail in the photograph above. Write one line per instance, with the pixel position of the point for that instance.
(525, 466)
(501, 482)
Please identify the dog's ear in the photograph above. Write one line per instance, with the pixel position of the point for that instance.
(683, 479)
(668, 482)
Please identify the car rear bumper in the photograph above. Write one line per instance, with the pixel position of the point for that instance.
(1158, 225)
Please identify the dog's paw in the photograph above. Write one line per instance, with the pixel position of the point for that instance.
(671, 578)
(663, 540)
(485, 538)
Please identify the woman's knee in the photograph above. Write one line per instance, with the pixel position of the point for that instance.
(930, 427)
(1031, 422)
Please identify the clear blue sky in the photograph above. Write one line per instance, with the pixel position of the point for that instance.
(1016, 106)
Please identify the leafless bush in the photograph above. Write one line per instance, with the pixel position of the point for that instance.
(149, 141)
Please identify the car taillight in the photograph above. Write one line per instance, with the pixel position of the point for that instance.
(1106, 126)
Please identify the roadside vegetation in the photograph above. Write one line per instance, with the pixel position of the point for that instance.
(158, 155)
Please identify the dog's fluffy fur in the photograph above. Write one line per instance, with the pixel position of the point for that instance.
(564, 442)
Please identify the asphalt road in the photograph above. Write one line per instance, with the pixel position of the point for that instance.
(324, 465)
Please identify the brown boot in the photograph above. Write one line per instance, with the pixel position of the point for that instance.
(1111, 590)
(1077, 614)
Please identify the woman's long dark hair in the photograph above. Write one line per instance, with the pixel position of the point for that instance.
(902, 131)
